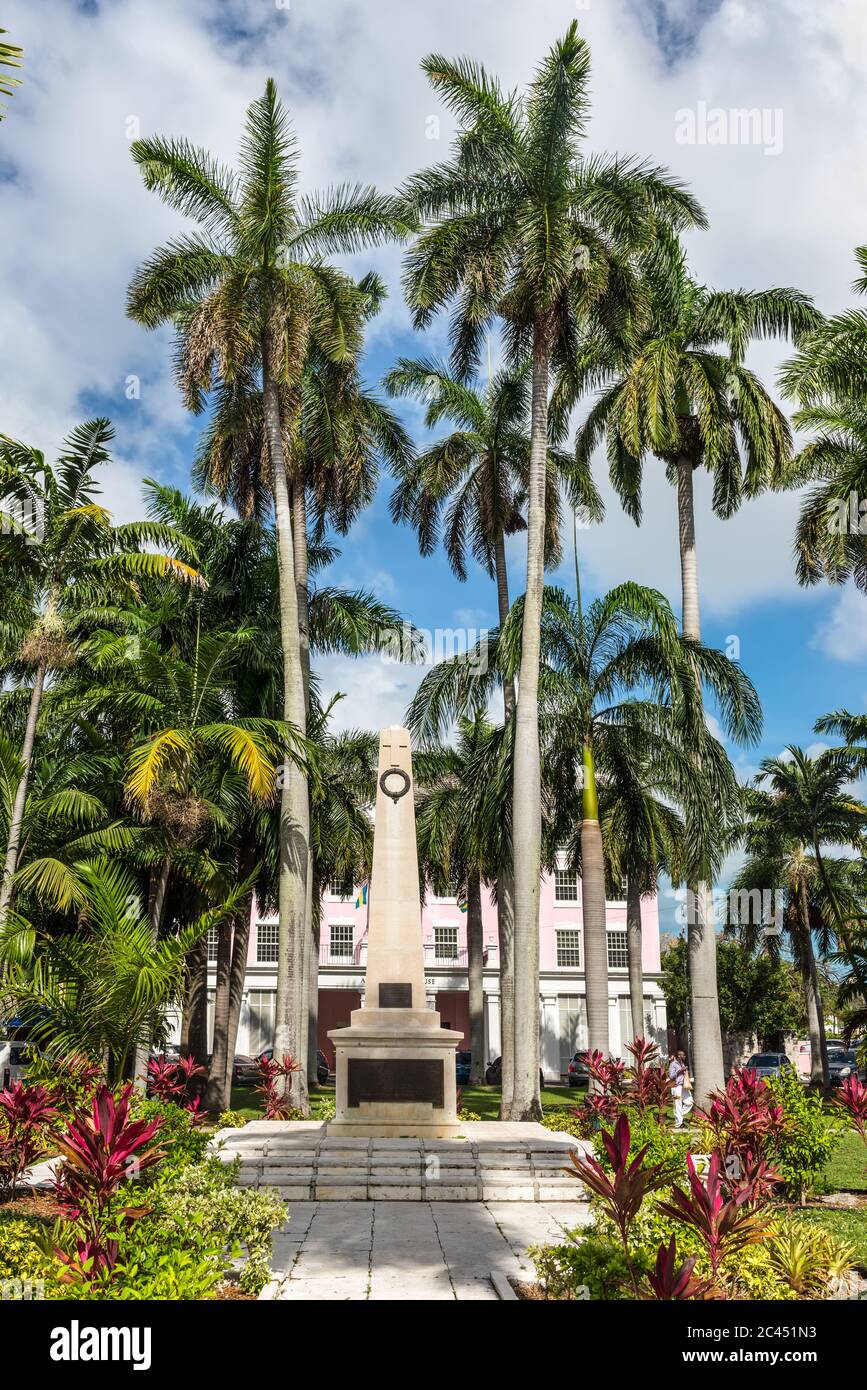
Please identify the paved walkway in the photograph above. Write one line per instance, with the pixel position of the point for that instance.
(410, 1250)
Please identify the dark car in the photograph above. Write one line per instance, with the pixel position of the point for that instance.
(494, 1073)
(578, 1070)
(462, 1068)
(768, 1063)
(246, 1071)
(842, 1063)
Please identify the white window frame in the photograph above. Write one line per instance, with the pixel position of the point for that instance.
(343, 924)
(618, 931)
(342, 897)
(566, 902)
(213, 944)
(570, 929)
(272, 945)
(446, 927)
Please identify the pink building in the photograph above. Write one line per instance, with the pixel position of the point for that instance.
(562, 1010)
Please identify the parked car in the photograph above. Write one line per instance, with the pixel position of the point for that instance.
(245, 1069)
(494, 1073)
(842, 1063)
(578, 1069)
(13, 1062)
(769, 1063)
(462, 1068)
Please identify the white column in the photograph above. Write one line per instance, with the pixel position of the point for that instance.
(549, 1038)
(493, 1033)
(615, 1042)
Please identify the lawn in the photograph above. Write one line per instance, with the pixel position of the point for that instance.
(482, 1100)
(847, 1170)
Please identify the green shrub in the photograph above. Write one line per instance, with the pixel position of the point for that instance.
(588, 1268)
(231, 1119)
(185, 1144)
(464, 1114)
(808, 1138)
(807, 1257)
(326, 1109)
(665, 1146)
(567, 1121)
(205, 1195)
(25, 1247)
(160, 1258)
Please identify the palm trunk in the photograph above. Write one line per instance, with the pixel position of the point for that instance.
(294, 802)
(707, 1056)
(156, 911)
(812, 996)
(313, 984)
(197, 1002)
(237, 979)
(17, 819)
(527, 784)
(505, 881)
(633, 951)
(216, 1094)
(475, 966)
(306, 978)
(593, 912)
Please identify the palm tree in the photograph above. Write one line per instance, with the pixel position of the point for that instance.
(252, 291)
(524, 226)
(474, 483)
(804, 808)
(828, 376)
(643, 836)
(453, 853)
(71, 578)
(674, 395)
(10, 57)
(616, 687)
(96, 990)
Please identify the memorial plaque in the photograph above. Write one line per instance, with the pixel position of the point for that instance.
(393, 996)
(395, 1080)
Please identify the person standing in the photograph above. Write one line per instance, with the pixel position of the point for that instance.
(681, 1087)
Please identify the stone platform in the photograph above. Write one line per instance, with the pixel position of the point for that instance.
(493, 1161)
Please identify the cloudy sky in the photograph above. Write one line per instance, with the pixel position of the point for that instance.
(786, 208)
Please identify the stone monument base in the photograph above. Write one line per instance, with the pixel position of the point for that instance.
(395, 1071)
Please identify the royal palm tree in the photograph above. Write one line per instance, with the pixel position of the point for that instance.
(252, 291)
(10, 57)
(798, 806)
(522, 224)
(616, 686)
(828, 376)
(682, 394)
(455, 853)
(61, 550)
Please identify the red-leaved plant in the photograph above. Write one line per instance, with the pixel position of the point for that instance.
(24, 1115)
(177, 1082)
(745, 1118)
(852, 1096)
(677, 1284)
(623, 1192)
(725, 1222)
(102, 1150)
(274, 1089)
(649, 1086)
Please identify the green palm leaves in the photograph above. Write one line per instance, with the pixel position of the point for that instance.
(10, 57)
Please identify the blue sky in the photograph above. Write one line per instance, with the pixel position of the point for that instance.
(77, 221)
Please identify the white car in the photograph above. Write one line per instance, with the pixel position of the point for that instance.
(13, 1062)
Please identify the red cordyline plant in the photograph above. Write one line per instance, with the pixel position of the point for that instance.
(745, 1118)
(102, 1150)
(677, 1284)
(852, 1097)
(649, 1087)
(174, 1081)
(272, 1072)
(73, 1081)
(24, 1115)
(726, 1224)
(89, 1263)
(624, 1191)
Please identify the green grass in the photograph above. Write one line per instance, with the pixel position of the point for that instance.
(847, 1170)
(849, 1227)
(484, 1100)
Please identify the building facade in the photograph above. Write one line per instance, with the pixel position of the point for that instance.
(562, 1004)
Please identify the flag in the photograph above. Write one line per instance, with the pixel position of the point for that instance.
(361, 900)
(462, 906)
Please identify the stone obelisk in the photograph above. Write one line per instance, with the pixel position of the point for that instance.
(395, 1063)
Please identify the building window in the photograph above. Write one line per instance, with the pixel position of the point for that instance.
(267, 942)
(618, 956)
(569, 947)
(213, 943)
(342, 944)
(445, 943)
(340, 888)
(572, 1009)
(565, 886)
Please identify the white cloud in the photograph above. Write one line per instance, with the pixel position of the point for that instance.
(843, 633)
